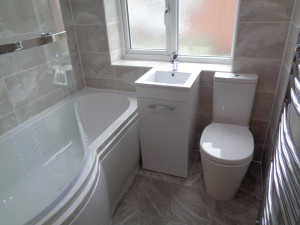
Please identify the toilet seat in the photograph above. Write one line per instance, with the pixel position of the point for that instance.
(227, 144)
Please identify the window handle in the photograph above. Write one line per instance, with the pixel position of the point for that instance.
(165, 15)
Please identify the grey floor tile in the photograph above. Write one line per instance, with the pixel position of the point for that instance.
(157, 198)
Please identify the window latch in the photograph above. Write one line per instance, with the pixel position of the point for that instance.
(165, 16)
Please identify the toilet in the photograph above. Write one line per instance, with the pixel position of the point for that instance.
(226, 145)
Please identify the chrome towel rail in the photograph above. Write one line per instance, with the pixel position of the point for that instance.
(31, 43)
(281, 203)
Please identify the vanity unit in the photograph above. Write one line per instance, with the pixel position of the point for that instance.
(167, 103)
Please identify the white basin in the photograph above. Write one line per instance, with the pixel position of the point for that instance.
(161, 77)
(160, 83)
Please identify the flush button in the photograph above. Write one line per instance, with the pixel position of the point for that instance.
(235, 75)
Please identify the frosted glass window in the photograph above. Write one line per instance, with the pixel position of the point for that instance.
(206, 27)
(146, 24)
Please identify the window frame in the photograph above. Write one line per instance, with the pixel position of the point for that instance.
(171, 38)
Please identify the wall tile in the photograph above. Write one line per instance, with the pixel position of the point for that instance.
(30, 85)
(296, 14)
(111, 11)
(76, 65)
(7, 64)
(66, 12)
(7, 123)
(130, 73)
(259, 130)
(38, 106)
(124, 85)
(72, 41)
(80, 83)
(279, 97)
(114, 36)
(267, 71)
(258, 152)
(5, 105)
(97, 65)
(88, 11)
(290, 45)
(204, 119)
(261, 40)
(92, 38)
(115, 56)
(262, 107)
(265, 10)
(101, 83)
(205, 100)
(207, 78)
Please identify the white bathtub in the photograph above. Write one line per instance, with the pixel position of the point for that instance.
(69, 166)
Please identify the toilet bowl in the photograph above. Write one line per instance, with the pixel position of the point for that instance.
(226, 152)
(227, 145)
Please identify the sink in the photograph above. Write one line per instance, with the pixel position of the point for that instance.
(160, 77)
(162, 83)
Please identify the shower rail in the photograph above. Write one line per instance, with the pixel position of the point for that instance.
(281, 202)
(45, 38)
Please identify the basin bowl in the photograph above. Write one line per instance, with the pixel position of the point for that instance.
(160, 83)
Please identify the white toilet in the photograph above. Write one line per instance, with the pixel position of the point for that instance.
(226, 145)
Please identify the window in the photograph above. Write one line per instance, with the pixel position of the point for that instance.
(201, 29)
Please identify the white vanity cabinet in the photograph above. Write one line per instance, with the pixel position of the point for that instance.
(167, 127)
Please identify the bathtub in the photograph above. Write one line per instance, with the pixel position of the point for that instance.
(69, 166)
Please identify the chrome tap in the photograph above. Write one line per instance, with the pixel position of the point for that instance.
(174, 60)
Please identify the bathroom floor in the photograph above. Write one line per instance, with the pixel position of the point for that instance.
(160, 199)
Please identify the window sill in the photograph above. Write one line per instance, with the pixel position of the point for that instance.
(181, 65)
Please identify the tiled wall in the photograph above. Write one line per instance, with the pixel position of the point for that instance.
(95, 21)
(261, 35)
(27, 78)
(282, 84)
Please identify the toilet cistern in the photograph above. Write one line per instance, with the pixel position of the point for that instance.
(174, 60)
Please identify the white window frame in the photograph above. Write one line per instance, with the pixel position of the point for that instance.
(171, 20)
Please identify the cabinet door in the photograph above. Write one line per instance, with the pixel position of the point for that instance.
(164, 135)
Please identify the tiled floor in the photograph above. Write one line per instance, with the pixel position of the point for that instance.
(159, 199)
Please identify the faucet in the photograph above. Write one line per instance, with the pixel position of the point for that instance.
(174, 60)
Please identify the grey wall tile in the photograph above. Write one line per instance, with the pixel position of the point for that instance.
(207, 78)
(114, 36)
(205, 100)
(130, 73)
(115, 56)
(261, 40)
(265, 10)
(111, 11)
(259, 130)
(290, 45)
(97, 65)
(124, 85)
(101, 83)
(92, 38)
(38, 106)
(88, 11)
(30, 85)
(5, 105)
(7, 123)
(80, 83)
(258, 152)
(262, 107)
(76, 64)
(267, 71)
(204, 119)
(7, 64)
(72, 40)
(66, 12)
(296, 14)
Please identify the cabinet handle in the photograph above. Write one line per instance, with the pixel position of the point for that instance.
(161, 107)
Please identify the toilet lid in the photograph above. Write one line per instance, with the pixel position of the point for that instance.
(227, 144)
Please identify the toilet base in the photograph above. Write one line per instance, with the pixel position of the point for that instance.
(222, 181)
